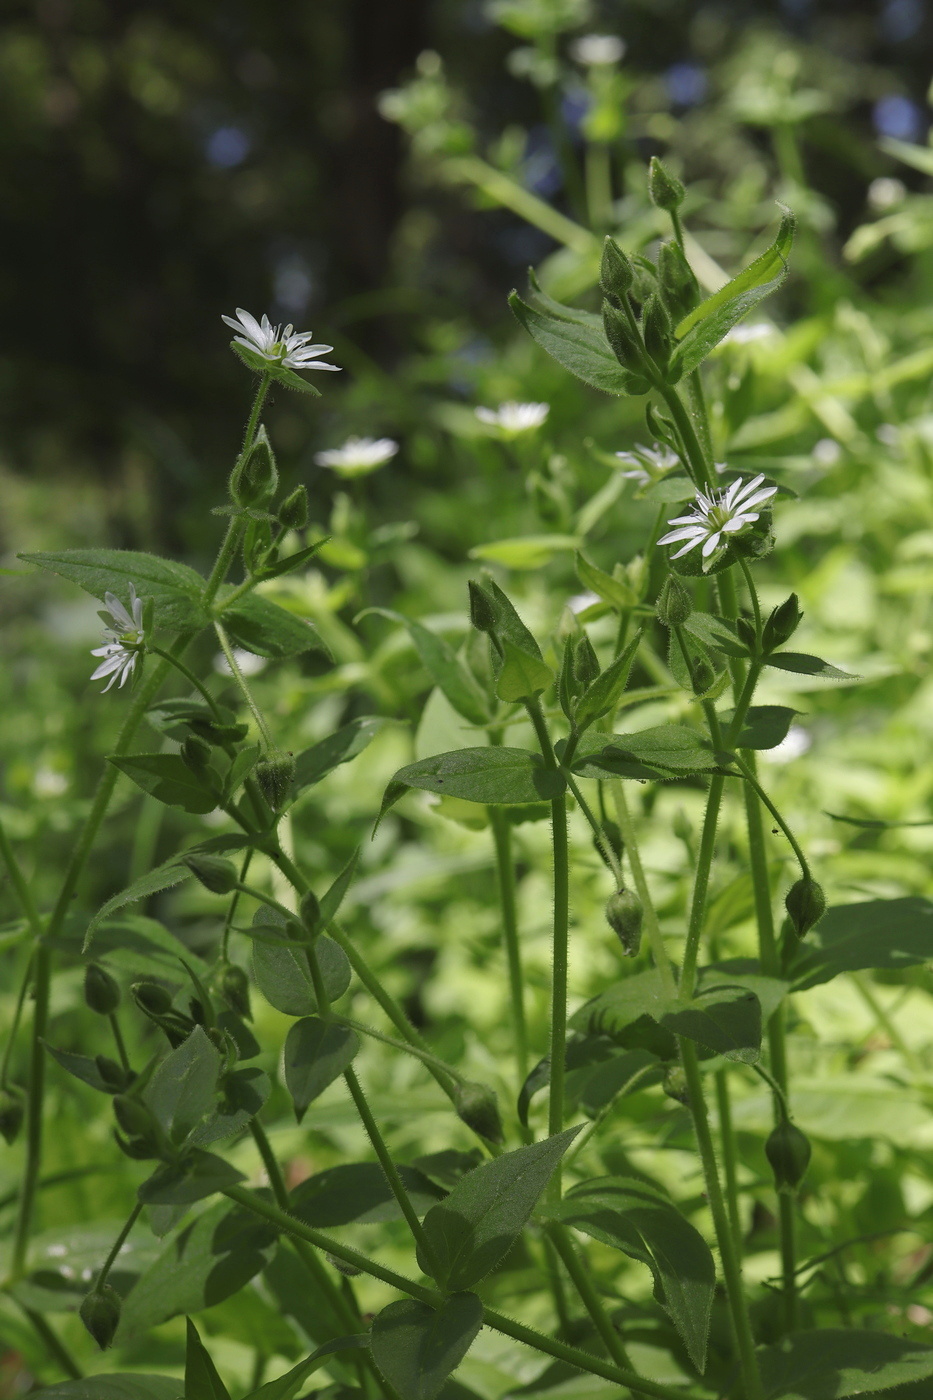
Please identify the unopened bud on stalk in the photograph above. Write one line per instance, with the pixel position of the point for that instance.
(586, 667)
(214, 872)
(805, 903)
(476, 1106)
(134, 1117)
(114, 1076)
(293, 512)
(255, 476)
(152, 998)
(196, 753)
(482, 612)
(616, 274)
(100, 1313)
(674, 603)
(665, 189)
(747, 634)
(783, 623)
(12, 1108)
(234, 988)
(675, 1085)
(624, 913)
(702, 675)
(275, 777)
(656, 327)
(101, 991)
(788, 1151)
(625, 341)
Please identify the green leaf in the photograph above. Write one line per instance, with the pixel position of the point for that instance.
(261, 626)
(667, 751)
(509, 626)
(285, 1387)
(745, 972)
(765, 726)
(183, 1088)
(491, 776)
(579, 345)
(804, 665)
(335, 894)
(242, 1094)
(358, 1192)
(175, 589)
(604, 694)
(445, 668)
(416, 1347)
(167, 777)
(113, 1387)
(316, 1053)
(199, 1174)
(704, 327)
(525, 551)
(473, 1230)
(612, 591)
(201, 1379)
(345, 743)
(210, 1259)
(635, 1218)
(284, 979)
(879, 933)
(724, 1019)
(260, 365)
(81, 1066)
(636, 997)
(522, 676)
(716, 633)
(834, 1363)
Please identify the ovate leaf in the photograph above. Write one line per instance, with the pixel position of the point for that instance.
(764, 727)
(283, 976)
(522, 676)
(201, 1379)
(525, 551)
(359, 1191)
(724, 1019)
(417, 1347)
(175, 589)
(491, 776)
(878, 933)
(261, 626)
(197, 1175)
(168, 778)
(667, 751)
(316, 1053)
(345, 743)
(183, 1089)
(580, 346)
(835, 1363)
(445, 669)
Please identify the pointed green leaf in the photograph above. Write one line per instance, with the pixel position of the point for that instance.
(112, 1387)
(416, 1347)
(359, 1191)
(522, 676)
(261, 626)
(491, 776)
(724, 1019)
(183, 1088)
(509, 626)
(604, 694)
(667, 751)
(475, 1227)
(197, 1175)
(804, 665)
(580, 346)
(283, 976)
(877, 933)
(201, 1379)
(316, 1053)
(81, 1066)
(175, 589)
(525, 551)
(765, 726)
(168, 778)
(613, 591)
(345, 743)
(286, 1386)
(333, 897)
(835, 1363)
(445, 668)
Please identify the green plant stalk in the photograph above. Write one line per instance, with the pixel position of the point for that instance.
(697, 461)
(253, 421)
(433, 1298)
(652, 927)
(118, 1244)
(20, 886)
(24, 986)
(505, 873)
(727, 1143)
(701, 886)
(582, 1281)
(189, 676)
(55, 1347)
(608, 854)
(732, 1273)
(428, 1060)
(763, 797)
(475, 171)
(119, 1041)
(240, 679)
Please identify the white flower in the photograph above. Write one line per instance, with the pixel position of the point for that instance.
(648, 464)
(125, 640)
(719, 514)
(594, 50)
(514, 417)
(581, 601)
(745, 334)
(249, 663)
(796, 742)
(358, 456)
(279, 345)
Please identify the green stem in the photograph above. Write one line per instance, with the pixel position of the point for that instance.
(223, 561)
(190, 677)
(753, 594)
(513, 196)
(241, 682)
(609, 855)
(55, 1347)
(17, 1017)
(696, 462)
(424, 1056)
(430, 1296)
(701, 886)
(727, 1143)
(505, 872)
(253, 421)
(119, 1041)
(582, 1281)
(20, 887)
(118, 1244)
(732, 1273)
(766, 801)
(652, 926)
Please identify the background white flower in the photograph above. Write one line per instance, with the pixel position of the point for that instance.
(514, 417)
(125, 640)
(594, 50)
(718, 515)
(358, 456)
(279, 345)
(647, 464)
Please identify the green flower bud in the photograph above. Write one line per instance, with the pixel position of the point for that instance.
(135, 1118)
(624, 339)
(477, 1106)
(624, 913)
(101, 991)
(482, 612)
(657, 330)
(675, 1085)
(275, 777)
(234, 988)
(674, 603)
(747, 634)
(293, 512)
(214, 872)
(255, 476)
(586, 667)
(152, 998)
(137, 1149)
(100, 1313)
(665, 189)
(679, 287)
(12, 1109)
(788, 1151)
(114, 1076)
(196, 753)
(615, 273)
(805, 903)
(782, 624)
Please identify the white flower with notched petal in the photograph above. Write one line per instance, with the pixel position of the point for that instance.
(512, 417)
(598, 50)
(717, 516)
(125, 640)
(279, 345)
(647, 464)
(358, 457)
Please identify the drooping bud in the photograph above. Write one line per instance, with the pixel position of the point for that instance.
(624, 913)
(788, 1151)
(805, 903)
(615, 273)
(482, 612)
(196, 753)
(114, 1076)
(275, 777)
(477, 1106)
(782, 624)
(665, 189)
(255, 476)
(12, 1108)
(100, 1313)
(101, 991)
(152, 998)
(674, 603)
(234, 988)
(675, 1085)
(293, 512)
(214, 872)
(586, 667)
